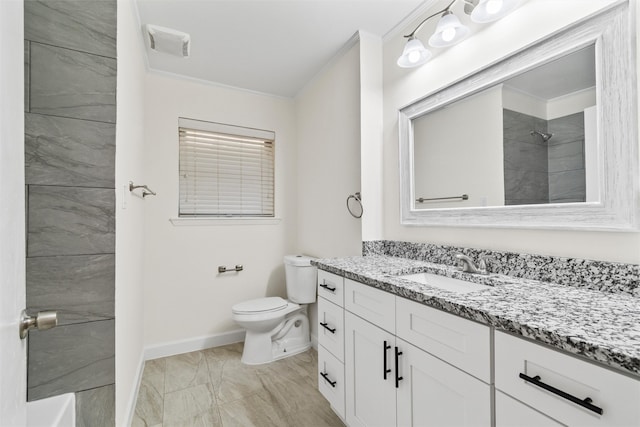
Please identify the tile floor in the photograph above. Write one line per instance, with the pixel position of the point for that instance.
(213, 388)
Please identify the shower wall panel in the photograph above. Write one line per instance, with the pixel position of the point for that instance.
(70, 103)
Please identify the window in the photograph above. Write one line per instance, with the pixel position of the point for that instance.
(225, 171)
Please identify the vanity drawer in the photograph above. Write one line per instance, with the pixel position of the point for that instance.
(331, 287)
(616, 394)
(376, 306)
(331, 380)
(331, 327)
(460, 342)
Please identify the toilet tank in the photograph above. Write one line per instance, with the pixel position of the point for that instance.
(301, 278)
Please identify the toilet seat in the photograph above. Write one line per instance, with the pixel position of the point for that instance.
(260, 305)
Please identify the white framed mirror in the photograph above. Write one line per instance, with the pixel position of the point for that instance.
(545, 138)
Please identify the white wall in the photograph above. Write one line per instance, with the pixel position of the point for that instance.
(130, 160)
(185, 298)
(527, 24)
(459, 150)
(328, 130)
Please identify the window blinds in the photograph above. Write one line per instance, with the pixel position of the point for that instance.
(225, 170)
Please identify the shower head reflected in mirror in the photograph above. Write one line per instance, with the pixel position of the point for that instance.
(544, 135)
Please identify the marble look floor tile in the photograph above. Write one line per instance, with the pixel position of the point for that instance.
(281, 393)
(255, 410)
(189, 403)
(184, 371)
(150, 406)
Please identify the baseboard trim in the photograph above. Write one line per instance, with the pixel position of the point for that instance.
(133, 398)
(192, 344)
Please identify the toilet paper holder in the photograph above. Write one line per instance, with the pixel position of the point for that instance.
(223, 269)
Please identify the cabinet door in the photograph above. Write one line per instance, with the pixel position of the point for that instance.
(370, 398)
(511, 413)
(434, 393)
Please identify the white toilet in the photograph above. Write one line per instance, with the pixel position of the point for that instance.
(276, 327)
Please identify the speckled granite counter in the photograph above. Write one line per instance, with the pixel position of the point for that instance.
(604, 327)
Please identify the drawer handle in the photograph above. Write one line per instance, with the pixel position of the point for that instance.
(585, 403)
(327, 287)
(384, 358)
(398, 377)
(326, 378)
(326, 326)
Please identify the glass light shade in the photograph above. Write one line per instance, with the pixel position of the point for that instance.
(414, 54)
(449, 31)
(492, 10)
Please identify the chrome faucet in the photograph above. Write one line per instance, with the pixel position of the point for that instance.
(466, 264)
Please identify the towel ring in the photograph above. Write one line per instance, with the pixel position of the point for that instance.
(358, 199)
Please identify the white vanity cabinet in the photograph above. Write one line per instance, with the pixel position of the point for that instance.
(571, 391)
(390, 381)
(331, 340)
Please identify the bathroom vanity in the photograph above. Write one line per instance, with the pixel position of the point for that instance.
(393, 351)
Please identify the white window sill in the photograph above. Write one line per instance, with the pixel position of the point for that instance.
(180, 222)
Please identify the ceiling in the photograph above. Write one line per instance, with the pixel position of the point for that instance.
(268, 46)
(568, 74)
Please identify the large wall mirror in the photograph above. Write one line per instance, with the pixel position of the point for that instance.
(547, 138)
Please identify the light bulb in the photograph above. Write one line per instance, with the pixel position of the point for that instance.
(494, 6)
(448, 34)
(414, 56)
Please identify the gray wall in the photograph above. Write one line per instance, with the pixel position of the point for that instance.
(566, 159)
(525, 160)
(538, 171)
(70, 91)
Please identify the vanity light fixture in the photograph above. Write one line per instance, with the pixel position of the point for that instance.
(491, 10)
(450, 30)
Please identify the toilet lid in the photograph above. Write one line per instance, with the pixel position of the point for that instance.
(260, 305)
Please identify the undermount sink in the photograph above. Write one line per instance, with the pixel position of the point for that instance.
(443, 282)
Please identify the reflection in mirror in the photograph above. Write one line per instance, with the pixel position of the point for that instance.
(530, 140)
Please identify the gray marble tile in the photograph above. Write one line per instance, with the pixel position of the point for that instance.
(27, 73)
(569, 185)
(71, 358)
(518, 126)
(567, 156)
(567, 129)
(150, 404)
(72, 84)
(525, 156)
(191, 406)
(69, 152)
(255, 410)
(81, 288)
(525, 185)
(85, 25)
(96, 407)
(185, 371)
(70, 221)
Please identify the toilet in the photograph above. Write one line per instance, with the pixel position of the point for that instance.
(275, 327)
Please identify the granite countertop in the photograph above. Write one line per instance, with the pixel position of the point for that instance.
(603, 327)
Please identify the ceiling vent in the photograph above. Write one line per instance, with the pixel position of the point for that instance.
(169, 41)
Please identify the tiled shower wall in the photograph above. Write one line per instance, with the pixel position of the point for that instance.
(70, 102)
(538, 171)
(567, 159)
(525, 160)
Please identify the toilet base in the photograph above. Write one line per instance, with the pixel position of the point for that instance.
(289, 338)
